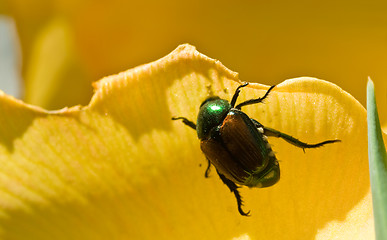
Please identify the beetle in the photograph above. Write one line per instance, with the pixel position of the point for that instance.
(237, 145)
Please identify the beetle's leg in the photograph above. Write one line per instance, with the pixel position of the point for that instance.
(295, 141)
(236, 94)
(234, 188)
(208, 169)
(186, 122)
(255, 100)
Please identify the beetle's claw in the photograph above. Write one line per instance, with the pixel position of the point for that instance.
(243, 213)
(234, 189)
(240, 203)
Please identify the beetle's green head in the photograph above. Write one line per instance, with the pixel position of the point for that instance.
(212, 112)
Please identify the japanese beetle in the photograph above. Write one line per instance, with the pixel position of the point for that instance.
(237, 145)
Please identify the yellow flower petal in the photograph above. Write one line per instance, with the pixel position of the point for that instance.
(119, 168)
(55, 77)
(343, 42)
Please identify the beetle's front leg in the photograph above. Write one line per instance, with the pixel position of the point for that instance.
(295, 141)
(186, 122)
(234, 188)
(252, 101)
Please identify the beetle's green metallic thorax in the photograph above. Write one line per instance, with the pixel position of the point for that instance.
(212, 112)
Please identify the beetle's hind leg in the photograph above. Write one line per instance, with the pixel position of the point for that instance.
(234, 188)
(186, 122)
(295, 141)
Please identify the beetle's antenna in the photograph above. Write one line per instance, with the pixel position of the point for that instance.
(236, 94)
(255, 100)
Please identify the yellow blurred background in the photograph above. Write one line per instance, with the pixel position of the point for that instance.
(66, 45)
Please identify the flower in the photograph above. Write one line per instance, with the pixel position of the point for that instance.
(66, 45)
(119, 168)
